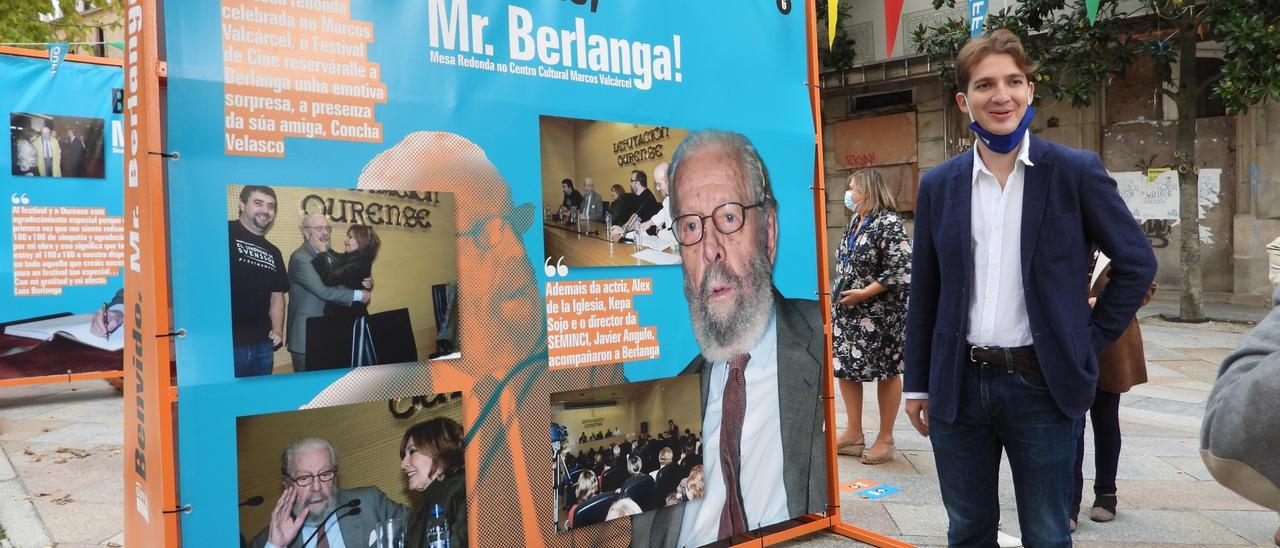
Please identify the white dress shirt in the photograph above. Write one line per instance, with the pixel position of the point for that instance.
(997, 306)
(662, 219)
(764, 492)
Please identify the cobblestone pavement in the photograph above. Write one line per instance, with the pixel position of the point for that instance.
(61, 461)
(1166, 496)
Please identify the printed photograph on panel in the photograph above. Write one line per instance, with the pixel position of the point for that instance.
(335, 279)
(625, 449)
(605, 195)
(389, 474)
(760, 360)
(48, 145)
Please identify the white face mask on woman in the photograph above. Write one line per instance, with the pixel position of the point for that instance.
(848, 201)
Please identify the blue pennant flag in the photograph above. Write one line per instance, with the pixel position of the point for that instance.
(977, 17)
(57, 51)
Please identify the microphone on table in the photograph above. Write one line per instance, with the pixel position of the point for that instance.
(354, 504)
(252, 501)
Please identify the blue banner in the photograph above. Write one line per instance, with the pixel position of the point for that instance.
(60, 178)
(977, 17)
(492, 147)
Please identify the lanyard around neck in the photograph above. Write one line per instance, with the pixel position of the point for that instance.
(853, 239)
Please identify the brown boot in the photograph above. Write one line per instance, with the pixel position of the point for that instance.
(1104, 508)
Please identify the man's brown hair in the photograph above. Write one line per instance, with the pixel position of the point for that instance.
(996, 42)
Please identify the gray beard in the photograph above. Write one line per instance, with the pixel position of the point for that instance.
(313, 518)
(736, 332)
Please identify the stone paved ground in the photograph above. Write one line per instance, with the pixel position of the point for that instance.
(64, 442)
(1166, 496)
(61, 460)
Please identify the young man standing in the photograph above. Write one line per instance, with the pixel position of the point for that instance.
(1001, 342)
(258, 283)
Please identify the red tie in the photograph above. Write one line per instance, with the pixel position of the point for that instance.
(322, 539)
(733, 518)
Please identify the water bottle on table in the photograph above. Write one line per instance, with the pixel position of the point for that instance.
(608, 225)
(437, 528)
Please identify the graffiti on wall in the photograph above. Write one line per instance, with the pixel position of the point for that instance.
(860, 160)
(1158, 231)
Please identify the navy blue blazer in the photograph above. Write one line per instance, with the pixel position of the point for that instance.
(1069, 205)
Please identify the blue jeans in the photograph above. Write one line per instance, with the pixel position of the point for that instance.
(1013, 412)
(255, 359)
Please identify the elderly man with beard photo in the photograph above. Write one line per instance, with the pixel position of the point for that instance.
(310, 512)
(761, 354)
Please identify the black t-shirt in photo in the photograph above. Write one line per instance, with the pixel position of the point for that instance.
(646, 205)
(257, 271)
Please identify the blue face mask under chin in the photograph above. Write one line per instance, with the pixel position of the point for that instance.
(1004, 144)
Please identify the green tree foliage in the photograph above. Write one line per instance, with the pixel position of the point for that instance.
(20, 21)
(841, 53)
(1248, 32)
(1075, 59)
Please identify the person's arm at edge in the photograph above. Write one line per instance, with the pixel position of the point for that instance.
(1240, 412)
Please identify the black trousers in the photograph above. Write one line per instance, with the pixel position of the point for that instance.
(1105, 415)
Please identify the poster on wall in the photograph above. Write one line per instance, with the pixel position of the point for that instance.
(611, 206)
(62, 230)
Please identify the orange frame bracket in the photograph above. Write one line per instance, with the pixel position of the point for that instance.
(150, 488)
(830, 521)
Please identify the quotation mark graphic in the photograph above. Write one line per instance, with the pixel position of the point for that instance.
(15, 199)
(559, 268)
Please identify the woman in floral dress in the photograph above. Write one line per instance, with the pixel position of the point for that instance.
(869, 314)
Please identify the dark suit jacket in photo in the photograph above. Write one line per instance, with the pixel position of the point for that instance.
(800, 345)
(1069, 205)
(375, 508)
(73, 158)
(307, 296)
